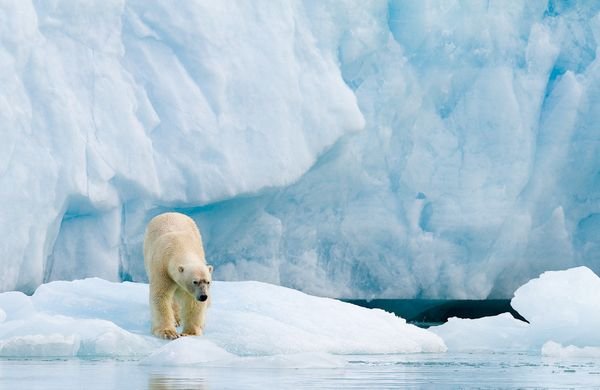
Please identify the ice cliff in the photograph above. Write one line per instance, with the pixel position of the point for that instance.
(356, 149)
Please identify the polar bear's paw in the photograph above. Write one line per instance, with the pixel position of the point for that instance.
(168, 334)
(192, 332)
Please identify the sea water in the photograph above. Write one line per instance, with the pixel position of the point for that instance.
(446, 370)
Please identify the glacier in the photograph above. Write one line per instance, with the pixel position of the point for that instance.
(415, 149)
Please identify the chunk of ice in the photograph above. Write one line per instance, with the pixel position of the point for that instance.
(562, 306)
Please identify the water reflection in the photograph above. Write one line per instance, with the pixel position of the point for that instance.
(450, 370)
(162, 382)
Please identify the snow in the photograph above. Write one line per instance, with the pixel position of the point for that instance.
(562, 308)
(249, 323)
(255, 324)
(349, 149)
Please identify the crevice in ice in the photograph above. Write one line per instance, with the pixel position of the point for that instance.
(50, 241)
(124, 274)
(425, 217)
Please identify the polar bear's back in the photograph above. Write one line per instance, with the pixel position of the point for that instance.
(169, 230)
(170, 223)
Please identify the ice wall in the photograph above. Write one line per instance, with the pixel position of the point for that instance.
(357, 149)
(110, 108)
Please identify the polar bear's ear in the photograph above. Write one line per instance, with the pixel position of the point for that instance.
(180, 268)
(210, 268)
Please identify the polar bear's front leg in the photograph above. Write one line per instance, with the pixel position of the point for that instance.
(176, 311)
(163, 317)
(194, 313)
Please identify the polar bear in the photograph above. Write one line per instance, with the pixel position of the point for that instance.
(178, 274)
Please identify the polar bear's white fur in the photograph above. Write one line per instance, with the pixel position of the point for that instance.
(178, 274)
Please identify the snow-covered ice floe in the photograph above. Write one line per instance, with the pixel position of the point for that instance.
(552, 349)
(249, 323)
(262, 325)
(563, 310)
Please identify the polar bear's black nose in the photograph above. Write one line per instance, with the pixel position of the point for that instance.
(203, 298)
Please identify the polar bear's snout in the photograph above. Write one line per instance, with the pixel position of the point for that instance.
(201, 289)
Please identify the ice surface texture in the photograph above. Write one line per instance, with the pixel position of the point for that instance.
(356, 149)
(253, 320)
(563, 310)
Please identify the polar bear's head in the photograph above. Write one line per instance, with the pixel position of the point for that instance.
(195, 278)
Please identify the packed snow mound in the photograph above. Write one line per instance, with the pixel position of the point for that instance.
(399, 149)
(562, 307)
(249, 320)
